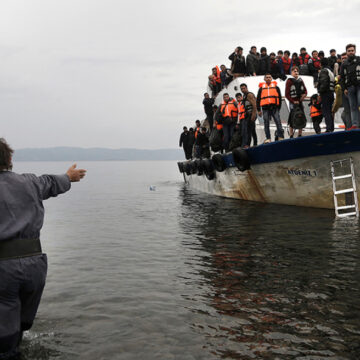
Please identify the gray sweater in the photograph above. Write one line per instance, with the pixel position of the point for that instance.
(21, 207)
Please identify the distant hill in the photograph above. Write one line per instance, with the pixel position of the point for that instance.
(95, 154)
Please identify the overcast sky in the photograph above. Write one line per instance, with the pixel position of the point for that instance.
(114, 73)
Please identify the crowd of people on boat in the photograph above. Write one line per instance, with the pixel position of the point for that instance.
(232, 124)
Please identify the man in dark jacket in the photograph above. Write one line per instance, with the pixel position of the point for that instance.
(238, 64)
(184, 142)
(208, 103)
(268, 103)
(252, 62)
(264, 62)
(225, 76)
(332, 59)
(350, 82)
(326, 86)
(23, 265)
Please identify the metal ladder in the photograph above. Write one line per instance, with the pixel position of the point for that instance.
(354, 208)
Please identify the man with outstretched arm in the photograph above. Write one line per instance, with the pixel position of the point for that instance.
(23, 266)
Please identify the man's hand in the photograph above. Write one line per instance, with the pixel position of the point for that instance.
(260, 113)
(346, 92)
(75, 174)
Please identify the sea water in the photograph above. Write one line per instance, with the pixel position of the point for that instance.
(177, 274)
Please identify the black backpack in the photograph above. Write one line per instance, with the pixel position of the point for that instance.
(298, 118)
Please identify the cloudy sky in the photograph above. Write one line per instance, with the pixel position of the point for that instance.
(115, 73)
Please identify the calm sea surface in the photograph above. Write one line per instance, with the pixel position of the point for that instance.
(177, 274)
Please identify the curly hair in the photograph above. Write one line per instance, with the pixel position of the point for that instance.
(5, 155)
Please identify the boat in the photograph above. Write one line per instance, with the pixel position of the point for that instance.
(315, 170)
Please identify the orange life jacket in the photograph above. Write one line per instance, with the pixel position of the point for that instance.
(218, 78)
(286, 64)
(218, 126)
(314, 111)
(228, 109)
(269, 94)
(197, 131)
(241, 111)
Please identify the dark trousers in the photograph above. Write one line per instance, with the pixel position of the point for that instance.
(228, 131)
(188, 152)
(272, 113)
(248, 130)
(21, 286)
(327, 101)
(316, 123)
(210, 117)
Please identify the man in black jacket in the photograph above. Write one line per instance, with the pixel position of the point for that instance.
(252, 62)
(326, 86)
(184, 142)
(350, 82)
(264, 62)
(208, 103)
(238, 65)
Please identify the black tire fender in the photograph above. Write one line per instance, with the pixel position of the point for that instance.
(219, 162)
(241, 159)
(209, 169)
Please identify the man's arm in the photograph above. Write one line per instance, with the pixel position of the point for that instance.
(280, 102)
(53, 185)
(258, 101)
(252, 100)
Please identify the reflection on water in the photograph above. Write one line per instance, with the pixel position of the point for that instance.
(277, 282)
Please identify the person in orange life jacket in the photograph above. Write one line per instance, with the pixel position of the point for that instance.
(241, 107)
(202, 144)
(295, 92)
(225, 76)
(264, 62)
(314, 66)
(286, 62)
(229, 112)
(208, 103)
(248, 123)
(304, 57)
(268, 104)
(350, 82)
(326, 87)
(215, 81)
(238, 63)
(184, 143)
(197, 128)
(315, 112)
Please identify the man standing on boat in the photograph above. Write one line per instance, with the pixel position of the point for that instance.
(295, 92)
(229, 113)
(238, 64)
(252, 62)
(326, 87)
(268, 104)
(23, 266)
(184, 143)
(350, 82)
(208, 103)
(248, 123)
